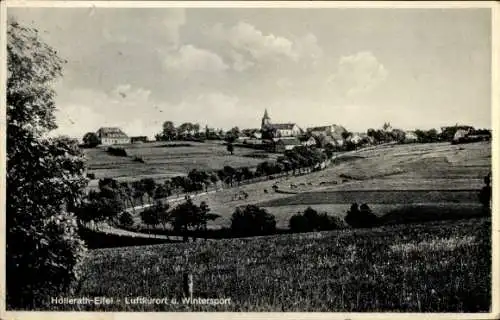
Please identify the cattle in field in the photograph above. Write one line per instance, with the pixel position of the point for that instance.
(265, 190)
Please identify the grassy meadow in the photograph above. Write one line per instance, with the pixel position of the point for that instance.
(440, 180)
(433, 254)
(433, 267)
(163, 160)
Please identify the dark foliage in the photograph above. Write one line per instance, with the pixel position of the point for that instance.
(486, 193)
(361, 217)
(126, 219)
(252, 221)
(91, 140)
(311, 220)
(44, 178)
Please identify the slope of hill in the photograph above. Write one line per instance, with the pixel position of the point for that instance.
(387, 178)
(434, 267)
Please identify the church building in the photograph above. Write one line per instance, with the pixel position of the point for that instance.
(279, 129)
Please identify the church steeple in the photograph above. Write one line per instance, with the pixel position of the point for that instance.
(266, 120)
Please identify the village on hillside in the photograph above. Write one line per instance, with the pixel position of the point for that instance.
(345, 208)
(279, 137)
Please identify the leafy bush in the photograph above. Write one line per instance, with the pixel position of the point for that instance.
(150, 216)
(252, 221)
(299, 223)
(126, 219)
(311, 220)
(91, 140)
(361, 217)
(485, 193)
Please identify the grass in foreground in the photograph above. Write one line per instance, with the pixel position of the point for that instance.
(434, 267)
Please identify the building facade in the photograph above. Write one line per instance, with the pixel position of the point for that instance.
(279, 129)
(112, 135)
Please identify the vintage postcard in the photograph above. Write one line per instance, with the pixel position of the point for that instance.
(249, 159)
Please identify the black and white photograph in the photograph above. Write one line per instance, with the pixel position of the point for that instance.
(249, 157)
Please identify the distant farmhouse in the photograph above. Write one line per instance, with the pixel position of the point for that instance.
(410, 136)
(279, 129)
(112, 135)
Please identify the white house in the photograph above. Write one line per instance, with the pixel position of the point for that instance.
(410, 136)
(112, 135)
(286, 129)
(461, 133)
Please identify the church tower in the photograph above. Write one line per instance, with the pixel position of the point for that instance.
(266, 121)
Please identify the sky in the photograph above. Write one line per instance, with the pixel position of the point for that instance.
(137, 67)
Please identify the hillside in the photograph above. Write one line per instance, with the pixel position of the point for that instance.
(438, 176)
(163, 160)
(434, 267)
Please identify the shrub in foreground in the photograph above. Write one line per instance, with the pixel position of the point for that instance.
(252, 221)
(361, 217)
(311, 220)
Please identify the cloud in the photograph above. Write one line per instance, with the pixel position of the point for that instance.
(190, 59)
(173, 20)
(357, 73)
(250, 45)
(308, 47)
(137, 113)
(240, 63)
(84, 110)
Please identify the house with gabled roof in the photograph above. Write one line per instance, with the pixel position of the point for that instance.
(280, 129)
(112, 135)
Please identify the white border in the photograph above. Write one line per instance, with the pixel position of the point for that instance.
(495, 125)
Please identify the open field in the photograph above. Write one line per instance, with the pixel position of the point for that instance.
(439, 175)
(162, 161)
(433, 267)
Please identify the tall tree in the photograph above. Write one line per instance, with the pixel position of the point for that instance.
(196, 128)
(230, 148)
(169, 132)
(45, 178)
(205, 216)
(149, 186)
(184, 217)
(91, 140)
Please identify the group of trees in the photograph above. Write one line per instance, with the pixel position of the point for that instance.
(311, 220)
(44, 178)
(183, 218)
(295, 161)
(361, 216)
(485, 193)
(91, 140)
(252, 221)
(387, 134)
(193, 131)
